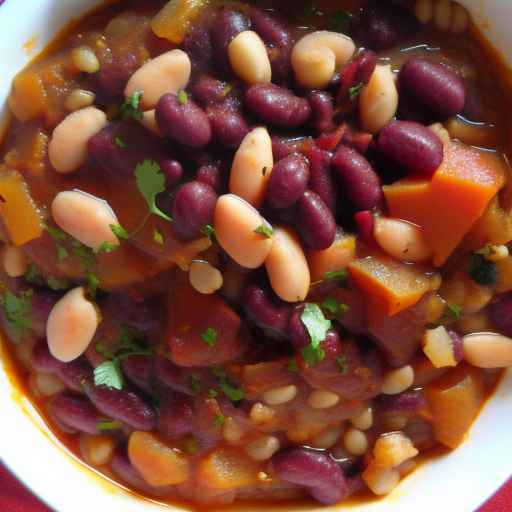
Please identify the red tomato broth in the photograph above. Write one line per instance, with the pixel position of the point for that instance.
(153, 271)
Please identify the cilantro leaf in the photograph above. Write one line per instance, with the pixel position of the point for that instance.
(194, 384)
(334, 307)
(339, 275)
(158, 237)
(106, 247)
(482, 271)
(219, 420)
(32, 275)
(451, 313)
(131, 106)
(119, 231)
(151, 182)
(342, 364)
(213, 393)
(106, 425)
(62, 252)
(232, 392)
(292, 366)
(209, 231)
(84, 253)
(17, 310)
(109, 374)
(355, 91)
(210, 336)
(317, 326)
(264, 230)
(56, 283)
(93, 283)
(56, 233)
(182, 97)
(120, 143)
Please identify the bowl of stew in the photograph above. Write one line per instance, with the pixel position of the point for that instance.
(256, 254)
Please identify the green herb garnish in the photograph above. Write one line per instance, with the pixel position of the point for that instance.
(355, 91)
(56, 233)
(292, 366)
(340, 21)
(131, 107)
(317, 326)
(209, 231)
(151, 182)
(182, 97)
(234, 393)
(17, 310)
(119, 231)
(106, 247)
(338, 275)
(109, 374)
(264, 230)
(158, 237)
(93, 283)
(210, 336)
(451, 313)
(213, 393)
(482, 271)
(106, 425)
(342, 364)
(194, 384)
(120, 143)
(62, 252)
(219, 420)
(56, 283)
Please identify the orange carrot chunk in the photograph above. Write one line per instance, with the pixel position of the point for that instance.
(455, 401)
(19, 213)
(456, 197)
(28, 96)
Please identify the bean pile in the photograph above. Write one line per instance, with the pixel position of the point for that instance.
(259, 253)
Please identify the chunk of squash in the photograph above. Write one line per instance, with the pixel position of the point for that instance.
(336, 257)
(389, 283)
(456, 197)
(28, 98)
(18, 210)
(455, 401)
(158, 464)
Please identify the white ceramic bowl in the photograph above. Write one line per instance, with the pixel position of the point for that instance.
(459, 482)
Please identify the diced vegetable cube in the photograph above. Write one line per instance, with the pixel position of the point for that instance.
(391, 450)
(28, 96)
(438, 347)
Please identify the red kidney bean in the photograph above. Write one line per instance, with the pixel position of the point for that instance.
(198, 46)
(321, 180)
(386, 25)
(172, 170)
(359, 71)
(193, 207)
(227, 25)
(412, 146)
(360, 182)
(122, 405)
(115, 73)
(315, 223)
(139, 369)
(409, 402)
(175, 417)
(75, 374)
(500, 313)
(185, 123)
(42, 360)
(365, 222)
(296, 331)
(266, 310)
(322, 110)
(330, 141)
(315, 471)
(228, 126)
(212, 175)
(277, 105)
(208, 91)
(288, 181)
(280, 147)
(457, 344)
(42, 303)
(433, 86)
(75, 412)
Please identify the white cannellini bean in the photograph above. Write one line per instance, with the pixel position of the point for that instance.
(78, 99)
(249, 59)
(261, 413)
(322, 399)
(149, 121)
(231, 431)
(85, 59)
(287, 267)
(441, 132)
(327, 438)
(14, 261)
(381, 481)
(47, 384)
(67, 149)
(402, 240)
(235, 222)
(355, 442)
(392, 449)
(488, 350)
(280, 395)
(263, 448)
(97, 450)
(378, 101)
(84, 217)
(204, 277)
(252, 166)
(167, 73)
(71, 325)
(364, 420)
(397, 381)
(316, 57)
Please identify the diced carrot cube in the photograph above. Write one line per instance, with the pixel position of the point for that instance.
(392, 449)
(389, 282)
(18, 210)
(455, 401)
(226, 469)
(28, 96)
(159, 464)
(456, 197)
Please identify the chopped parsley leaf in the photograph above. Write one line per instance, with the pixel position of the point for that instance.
(120, 143)
(334, 307)
(451, 313)
(62, 252)
(213, 393)
(32, 275)
(264, 230)
(93, 283)
(219, 420)
(182, 97)
(84, 253)
(339, 275)
(106, 425)
(355, 91)
(158, 238)
(194, 384)
(131, 106)
(209, 231)
(317, 326)
(119, 231)
(482, 271)
(56, 283)
(56, 233)
(232, 392)
(151, 182)
(17, 310)
(292, 366)
(342, 364)
(210, 336)
(310, 9)
(106, 247)
(109, 374)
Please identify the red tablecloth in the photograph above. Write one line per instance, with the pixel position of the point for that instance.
(15, 498)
